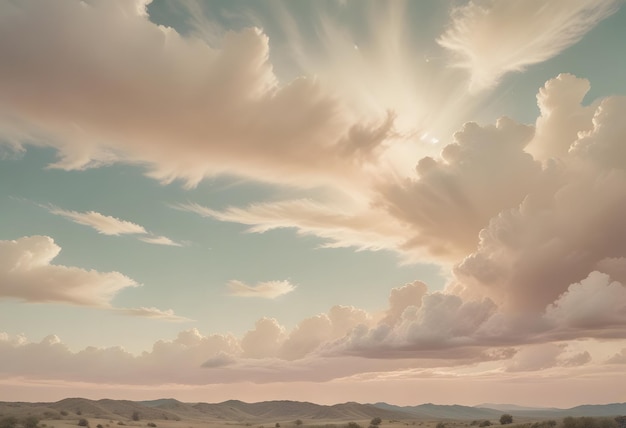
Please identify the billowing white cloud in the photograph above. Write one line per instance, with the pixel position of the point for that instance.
(27, 273)
(265, 290)
(104, 224)
(595, 302)
(490, 38)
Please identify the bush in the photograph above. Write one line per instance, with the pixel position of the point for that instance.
(8, 422)
(277, 425)
(151, 424)
(99, 426)
(484, 424)
(82, 422)
(298, 422)
(506, 419)
(441, 425)
(63, 413)
(376, 421)
(135, 415)
(353, 425)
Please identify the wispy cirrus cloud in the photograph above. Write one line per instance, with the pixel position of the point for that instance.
(265, 290)
(104, 224)
(166, 315)
(490, 38)
(109, 225)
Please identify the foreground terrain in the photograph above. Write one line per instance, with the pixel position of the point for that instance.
(170, 413)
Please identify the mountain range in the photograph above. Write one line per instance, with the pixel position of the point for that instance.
(234, 410)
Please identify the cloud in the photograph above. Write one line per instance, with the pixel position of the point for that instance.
(166, 315)
(619, 358)
(109, 225)
(595, 302)
(569, 222)
(127, 89)
(265, 290)
(437, 214)
(160, 240)
(104, 224)
(27, 273)
(490, 38)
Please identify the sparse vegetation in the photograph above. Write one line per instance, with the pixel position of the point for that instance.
(588, 422)
(506, 419)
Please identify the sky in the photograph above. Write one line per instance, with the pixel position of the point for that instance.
(323, 201)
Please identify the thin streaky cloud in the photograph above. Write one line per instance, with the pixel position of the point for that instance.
(104, 224)
(264, 290)
(161, 240)
(113, 226)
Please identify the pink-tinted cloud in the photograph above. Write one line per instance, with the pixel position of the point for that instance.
(28, 274)
(118, 87)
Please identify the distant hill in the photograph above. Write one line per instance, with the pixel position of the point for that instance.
(286, 411)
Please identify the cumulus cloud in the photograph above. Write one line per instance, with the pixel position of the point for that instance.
(595, 302)
(490, 38)
(27, 273)
(265, 290)
(119, 87)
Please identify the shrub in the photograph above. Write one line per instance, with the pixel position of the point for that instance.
(277, 425)
(376, 421)
(82, 422)
(63, 413)
(298, 422)
(151, 424)
(506, 419)
(135, 415)
(484, 424)
(353, 425)
(99, 426)
(441, 425)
